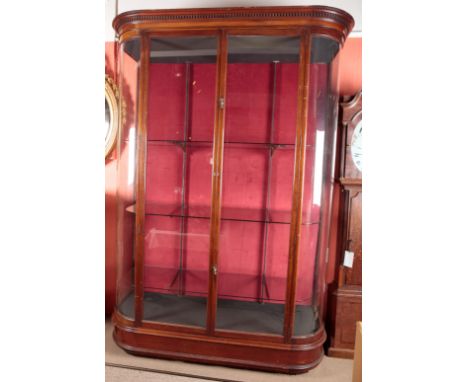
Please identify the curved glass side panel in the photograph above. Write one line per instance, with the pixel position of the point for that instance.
(129, 57)
(318, 181)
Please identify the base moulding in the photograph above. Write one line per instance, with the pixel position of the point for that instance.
(248, 354)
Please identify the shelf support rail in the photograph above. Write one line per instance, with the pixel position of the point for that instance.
(272, 148)
(181, 271)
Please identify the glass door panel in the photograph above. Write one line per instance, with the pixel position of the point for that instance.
(258, 167)
(181, 106)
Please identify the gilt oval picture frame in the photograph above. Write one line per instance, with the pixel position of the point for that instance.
(111, 114)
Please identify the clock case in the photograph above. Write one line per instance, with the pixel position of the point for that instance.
(345, 292)
(225, 175)
(351, 117)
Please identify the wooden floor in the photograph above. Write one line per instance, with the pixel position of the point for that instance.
(119, 374)
(121, 366)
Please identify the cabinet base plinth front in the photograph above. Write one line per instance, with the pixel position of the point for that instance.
(248, 354)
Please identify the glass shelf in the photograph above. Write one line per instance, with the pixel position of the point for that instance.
(195, 281)
(227, 144)
(235, 214)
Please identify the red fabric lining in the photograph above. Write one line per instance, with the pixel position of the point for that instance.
(245, 170)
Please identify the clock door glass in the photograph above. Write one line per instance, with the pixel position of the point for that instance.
(356, 146)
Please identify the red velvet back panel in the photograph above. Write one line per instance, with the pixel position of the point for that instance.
(244, 182)
(173, 242)
(286, 104)
(248, 103)
(202, 105)
(166, 102)
(174, 190)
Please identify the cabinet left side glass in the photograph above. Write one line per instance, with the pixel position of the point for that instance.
(129, 60)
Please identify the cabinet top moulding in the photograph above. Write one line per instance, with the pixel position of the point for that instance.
(328, 21)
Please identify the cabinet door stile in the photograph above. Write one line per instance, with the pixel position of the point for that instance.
(298, 184)
(141, 177)
(216, 179)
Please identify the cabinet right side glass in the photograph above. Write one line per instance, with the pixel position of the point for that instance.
(318, 182)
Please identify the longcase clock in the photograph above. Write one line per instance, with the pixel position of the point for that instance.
(345, 294)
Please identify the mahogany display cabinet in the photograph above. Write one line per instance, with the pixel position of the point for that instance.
(225, 158)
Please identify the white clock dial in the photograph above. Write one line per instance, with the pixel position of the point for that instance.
(356, 146)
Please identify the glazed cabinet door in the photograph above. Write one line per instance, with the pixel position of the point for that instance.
(181, 107)
(257, 179)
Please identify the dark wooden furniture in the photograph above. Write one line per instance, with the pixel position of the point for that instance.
(226, 157)
(345, 293)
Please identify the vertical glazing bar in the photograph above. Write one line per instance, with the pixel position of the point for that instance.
(183, 219)
(216, 180)
(141, 137)
(298, 184)
(263, 286)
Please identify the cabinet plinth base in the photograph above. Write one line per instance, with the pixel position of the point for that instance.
(248, 353)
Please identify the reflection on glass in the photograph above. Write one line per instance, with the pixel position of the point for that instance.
(319, 146)
(131, 156)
